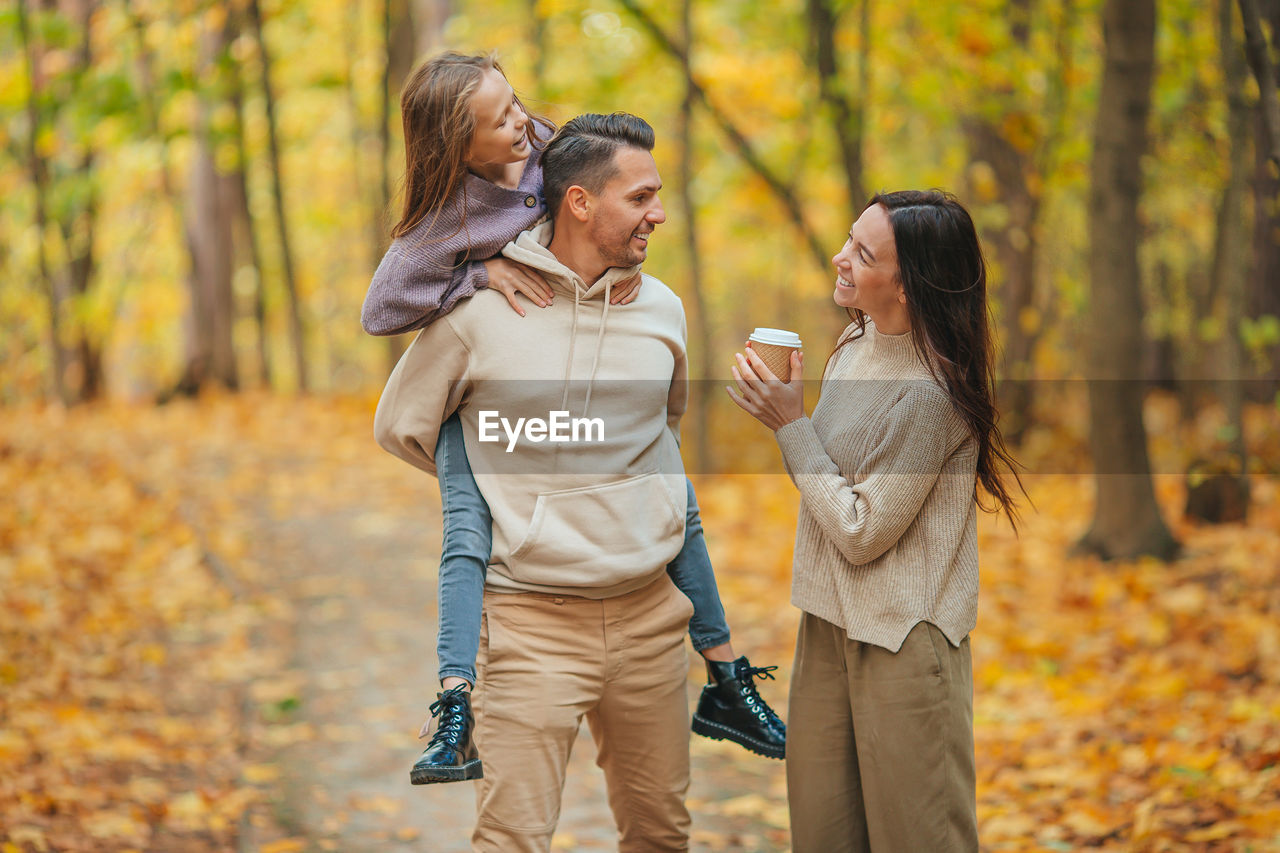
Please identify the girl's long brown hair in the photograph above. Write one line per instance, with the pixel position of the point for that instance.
(436, 108)
(944, 275)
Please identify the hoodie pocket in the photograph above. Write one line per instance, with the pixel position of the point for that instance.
(601, 536)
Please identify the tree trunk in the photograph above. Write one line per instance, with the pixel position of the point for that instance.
(430, 17)
(397, 42)
(538, 37)
(78, 235)
(1230, 266)
(702, 386)
(1014, 248)
(1126, 521)
(249, 231)
(296, 329)
(1264, 294)
(1260, 60)
(39, 171)
(846, 111)
(78, 232)
(398, 45)
(1015, 244)
(210, 208)
(211, 357)
(365, 188)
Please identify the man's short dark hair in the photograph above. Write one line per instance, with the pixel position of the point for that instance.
(582, 152)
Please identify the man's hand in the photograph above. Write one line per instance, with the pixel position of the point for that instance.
(764, 396)
(511, 277)
(625, 291)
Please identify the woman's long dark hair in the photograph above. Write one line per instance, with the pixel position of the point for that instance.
(944, 275)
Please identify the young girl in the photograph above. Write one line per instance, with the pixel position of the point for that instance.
(473, 182)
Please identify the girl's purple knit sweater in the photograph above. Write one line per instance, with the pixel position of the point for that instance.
(425, 272)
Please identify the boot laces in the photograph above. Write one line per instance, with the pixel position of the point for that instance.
(761, 671)
(451, 711)
(747, 675)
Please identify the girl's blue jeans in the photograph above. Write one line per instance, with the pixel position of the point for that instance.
(468, 542)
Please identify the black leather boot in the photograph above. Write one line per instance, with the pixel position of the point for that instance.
(731, 709)
(451, 754)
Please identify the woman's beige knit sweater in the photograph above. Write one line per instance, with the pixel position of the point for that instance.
(886, 471)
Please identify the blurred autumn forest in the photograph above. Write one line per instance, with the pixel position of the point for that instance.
(194, 194)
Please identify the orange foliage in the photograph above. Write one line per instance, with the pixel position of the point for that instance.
(1117, 706)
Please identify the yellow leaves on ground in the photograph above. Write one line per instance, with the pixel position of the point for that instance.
(1126, 706)
(770, 810)
(119, 641)
(378, 805)
(130, 599)
(284, 845)
(1129, 706)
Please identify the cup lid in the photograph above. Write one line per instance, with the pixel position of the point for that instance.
(777, 337)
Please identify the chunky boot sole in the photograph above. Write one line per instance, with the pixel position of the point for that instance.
(719, 731)
(472, 769)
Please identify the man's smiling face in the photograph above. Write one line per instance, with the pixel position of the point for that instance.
(625, 212)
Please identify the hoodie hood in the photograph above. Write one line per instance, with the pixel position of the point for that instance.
(530, 249)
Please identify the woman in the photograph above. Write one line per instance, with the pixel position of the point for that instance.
(880, 748)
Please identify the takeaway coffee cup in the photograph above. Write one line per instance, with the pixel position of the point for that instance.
(774, 346)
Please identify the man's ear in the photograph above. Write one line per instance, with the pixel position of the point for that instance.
(577, 201)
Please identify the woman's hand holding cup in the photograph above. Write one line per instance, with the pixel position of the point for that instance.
(761, 394)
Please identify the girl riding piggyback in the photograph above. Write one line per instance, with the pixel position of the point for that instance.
(473, 182)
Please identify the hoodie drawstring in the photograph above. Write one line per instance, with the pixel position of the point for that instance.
(573, 337)
(604, 318)
(531, 248)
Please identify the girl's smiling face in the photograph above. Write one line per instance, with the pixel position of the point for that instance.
(500, 134)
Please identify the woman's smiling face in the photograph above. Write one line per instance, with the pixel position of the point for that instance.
(499, 137)
(867, 271)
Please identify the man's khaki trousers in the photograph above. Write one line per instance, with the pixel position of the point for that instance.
(880, 745)
(548, 661)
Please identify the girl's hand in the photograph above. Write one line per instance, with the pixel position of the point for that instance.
(510, 277)
(625, 291)
(764, 396)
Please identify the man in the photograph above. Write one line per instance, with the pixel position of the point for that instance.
(570, 418)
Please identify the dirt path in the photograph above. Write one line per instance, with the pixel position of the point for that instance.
(342, 721)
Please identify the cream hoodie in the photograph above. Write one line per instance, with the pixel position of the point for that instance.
(595, 518)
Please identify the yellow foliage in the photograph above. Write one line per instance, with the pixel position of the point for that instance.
(1122, 705)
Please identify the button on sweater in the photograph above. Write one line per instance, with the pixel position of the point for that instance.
(886, 469)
